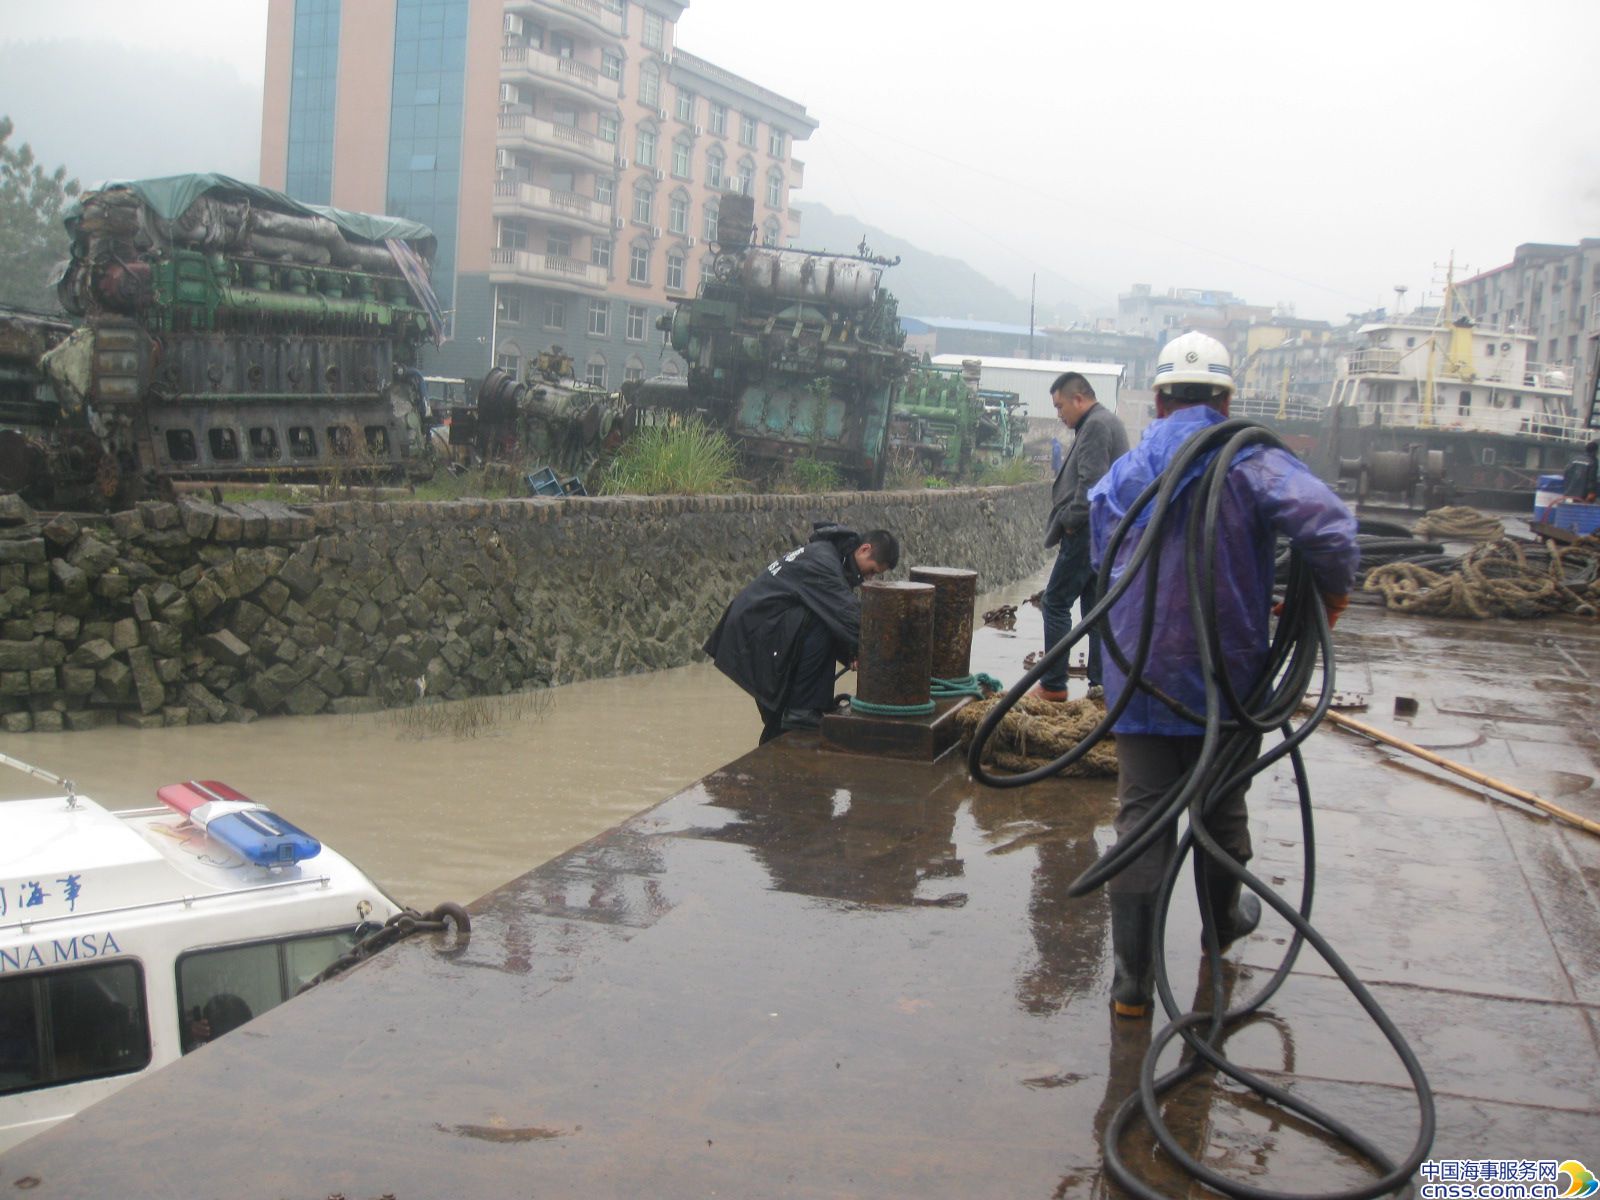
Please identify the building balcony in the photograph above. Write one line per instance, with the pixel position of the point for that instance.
(590, 14)
(513, 199)
(562, 141)
(520, 64)
(524, 266)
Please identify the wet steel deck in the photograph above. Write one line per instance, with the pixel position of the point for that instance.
(814, 975)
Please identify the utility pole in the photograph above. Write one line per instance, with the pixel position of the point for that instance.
(1033, 291)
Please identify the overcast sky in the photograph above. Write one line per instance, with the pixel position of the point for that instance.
(1294, 152)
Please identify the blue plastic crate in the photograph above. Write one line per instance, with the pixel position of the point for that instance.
(544, 482)
(1579, 518)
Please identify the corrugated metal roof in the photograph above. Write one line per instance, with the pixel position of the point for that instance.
(953, 323)
(1033, 364)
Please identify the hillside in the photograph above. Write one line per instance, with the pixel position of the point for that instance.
(926, 284)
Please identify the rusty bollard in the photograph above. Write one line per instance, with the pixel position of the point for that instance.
(896, 647)
(955, 592)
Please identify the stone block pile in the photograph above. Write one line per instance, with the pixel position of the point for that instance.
(187, 612)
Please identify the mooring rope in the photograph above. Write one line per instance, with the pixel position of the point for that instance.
(1459, 524)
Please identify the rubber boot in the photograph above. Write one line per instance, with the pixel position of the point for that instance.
(1133, 922)
(1235, 911)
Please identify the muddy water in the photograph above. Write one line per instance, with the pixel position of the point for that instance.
(433, 814)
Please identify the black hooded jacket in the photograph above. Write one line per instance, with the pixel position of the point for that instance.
(755, 642)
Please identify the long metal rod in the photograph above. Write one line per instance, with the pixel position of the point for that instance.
(1465, 772)
(40, 773)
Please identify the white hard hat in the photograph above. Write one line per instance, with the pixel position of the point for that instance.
(1195, 358)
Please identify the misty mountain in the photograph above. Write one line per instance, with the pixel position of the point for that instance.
(184, 114)
(928, 284)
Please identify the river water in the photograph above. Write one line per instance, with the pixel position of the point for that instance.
(449, 802)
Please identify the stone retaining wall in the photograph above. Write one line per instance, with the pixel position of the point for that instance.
(175, 613)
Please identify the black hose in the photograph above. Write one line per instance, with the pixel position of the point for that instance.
(1229, 758)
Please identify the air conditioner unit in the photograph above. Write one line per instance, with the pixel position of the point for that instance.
(698, 130)
(513, 25)
(664, 114)
(505, 160)
(622, 162)
(693, 240)
(660, 175)
(618, 223)
(510, 93)
(655, 231)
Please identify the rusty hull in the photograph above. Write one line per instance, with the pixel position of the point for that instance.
(824, 975)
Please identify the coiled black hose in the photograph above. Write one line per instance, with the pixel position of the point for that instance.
(1229, 758)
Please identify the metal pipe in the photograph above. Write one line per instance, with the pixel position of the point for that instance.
(955, 593)
(896, 649)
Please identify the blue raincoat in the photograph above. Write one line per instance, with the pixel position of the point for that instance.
(1268, 492)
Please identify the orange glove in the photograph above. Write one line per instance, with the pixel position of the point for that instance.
(1335, 604)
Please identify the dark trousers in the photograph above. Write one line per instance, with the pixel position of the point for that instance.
(1148, 766)
(810, 680)
(1071, 580)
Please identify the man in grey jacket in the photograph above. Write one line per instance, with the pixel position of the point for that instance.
(1098, 440)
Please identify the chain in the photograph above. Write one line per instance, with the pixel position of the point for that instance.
(397, 928)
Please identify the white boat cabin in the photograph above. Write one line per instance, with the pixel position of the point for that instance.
(130, 938)
(1414, 372)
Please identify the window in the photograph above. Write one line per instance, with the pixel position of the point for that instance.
(686, 107)
(513, 235)
(719, 122)
(508, 308)
(712, 209)
(611, 65)
(674, 272)
(1487, 456)
(678, 213)
(1464, 406)
(1488, 350)
(776, 140)
(181, 445)
(74, 1024)
(649, 85)
(746, 182)
(714, 167)
(605, 190)
(555, 314)
(233, 984)
(639, 263)
(633, 372)
(564, 115)
(774, 189)
(302, 441)
(747, 130)
(644, 152)
(263, 443)
(680, 158)
(595, 372)
(507, 361)
(643, 202)
(600, 318)
(770, 233)
(224, 444)
(654, 34)
(636, 321)
(558, 243)
(608, 128)
(600, 252)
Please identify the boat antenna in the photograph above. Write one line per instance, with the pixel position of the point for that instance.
(41, 773)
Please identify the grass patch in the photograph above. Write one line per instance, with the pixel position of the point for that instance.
(462, 719)
(476, 482)
(681, 458)
(1012, 471)
(807, 476)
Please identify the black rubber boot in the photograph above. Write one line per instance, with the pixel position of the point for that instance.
(1133, 921)
(1235, 911)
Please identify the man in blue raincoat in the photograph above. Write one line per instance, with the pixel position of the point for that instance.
(1268, 492)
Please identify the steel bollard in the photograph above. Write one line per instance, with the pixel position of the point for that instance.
(955, 592)
(896, 647)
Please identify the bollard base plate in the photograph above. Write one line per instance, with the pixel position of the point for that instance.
(919, 739)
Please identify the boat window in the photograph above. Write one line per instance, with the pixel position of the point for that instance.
(1488, 456)
(221, 989)
(70, 1025)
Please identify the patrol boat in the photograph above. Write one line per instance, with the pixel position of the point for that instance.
(130, 938)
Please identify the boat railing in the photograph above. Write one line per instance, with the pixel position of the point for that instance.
(1298, 406)
(1546, 426)
(1375, 362)
(189, 901)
